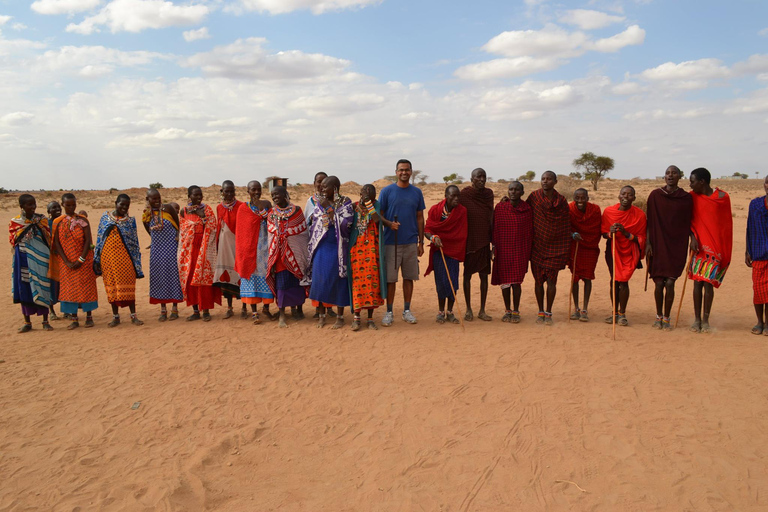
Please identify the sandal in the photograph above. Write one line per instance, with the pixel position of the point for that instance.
(440, 318)
(135, 320)
(163, 317)
(89, 322)
(696, 326)
(206, 317)
(576, 315)
(665, 324)
(174, 316)
(193, 317)
(658, 324)
(73, 325)
(540, 318)
(355, 323)
(115, 322)
(256, 319)
(622, 321)
(229, 314)
(515, 317)
(47, 326)
(451, 318)
(507, 317)
(584, 317)
(54, 317)
(244, 314)
(25, 328)
(372, 325)
(705, 328)
(548, 318)
(757, 329)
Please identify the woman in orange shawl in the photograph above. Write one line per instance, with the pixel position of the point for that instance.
(73, 264)
(197, 255)
(712, 229)
(627, 225)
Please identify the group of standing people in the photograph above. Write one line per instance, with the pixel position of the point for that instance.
(340, 253)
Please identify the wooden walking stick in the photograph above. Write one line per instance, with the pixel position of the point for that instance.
(573, 280)
(682, 295)
(647, 269)
(455, 302)
(613, 284)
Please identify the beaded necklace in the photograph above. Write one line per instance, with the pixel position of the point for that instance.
(229, 206)
(158, 218)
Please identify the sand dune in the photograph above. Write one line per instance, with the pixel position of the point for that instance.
(523, 417)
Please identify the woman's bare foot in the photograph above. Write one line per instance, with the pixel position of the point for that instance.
(339, 322)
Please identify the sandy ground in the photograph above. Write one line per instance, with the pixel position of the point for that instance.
(415, 417)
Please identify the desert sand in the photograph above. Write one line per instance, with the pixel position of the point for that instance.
(524, 417)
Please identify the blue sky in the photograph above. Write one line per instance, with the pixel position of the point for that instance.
(120, 93)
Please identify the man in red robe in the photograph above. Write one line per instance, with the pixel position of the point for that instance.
(712, 229)
(625, 226)
(586, 219)
(551, 241)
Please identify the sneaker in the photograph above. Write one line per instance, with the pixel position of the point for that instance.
(408, 317)
(389, 317)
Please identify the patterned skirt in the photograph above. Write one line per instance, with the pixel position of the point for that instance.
(365, 275)
(117, 271)
(760, 281)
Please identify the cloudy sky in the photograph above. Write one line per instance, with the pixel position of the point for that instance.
(120, 93)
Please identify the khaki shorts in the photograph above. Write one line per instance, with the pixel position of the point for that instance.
(407, 261)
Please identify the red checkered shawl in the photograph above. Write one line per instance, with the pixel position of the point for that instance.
(551, 230)
(513, 240)
(289, 243)
(628, 252)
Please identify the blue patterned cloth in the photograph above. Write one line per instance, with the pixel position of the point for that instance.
(757, 230)
(126, 227)
(164, 279)
(327, 286)
(442, 284)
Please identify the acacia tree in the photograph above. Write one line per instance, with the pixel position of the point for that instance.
(595, 167)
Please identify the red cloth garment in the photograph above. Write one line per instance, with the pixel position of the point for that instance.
(669, 224)
(247, 240)
(628, 251)
(288, 243)
(227, 216)
(760, 282)
(587, 224)
(551, 230)
(712, 225)
(512, 241)
(452, 232)
(479, 205)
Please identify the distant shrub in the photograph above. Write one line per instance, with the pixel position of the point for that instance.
(3, 190)
(157, 185)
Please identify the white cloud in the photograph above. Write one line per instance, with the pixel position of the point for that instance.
(692, 71)
(506, 68)
(754, 65)
(327, 106)
(299, 122)
(4, 19)
(233, 121)
(63, 6)
(526, 101)
(197, 34)
(376, 139)
(587, 19)
(661, 114)
(18, 26)
(138, 15)
(550, 41)
(93, 61)
(633, 36)
(412, 116)
(246, 58)
(17, 118)
(286, 6)
(627, 88)
(763, 32)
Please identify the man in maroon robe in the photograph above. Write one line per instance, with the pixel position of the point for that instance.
(669, 228)
(478, 200)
